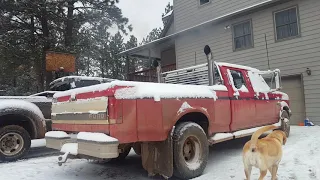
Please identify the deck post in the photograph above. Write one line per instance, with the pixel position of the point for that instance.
(149, 52)
(159, 71)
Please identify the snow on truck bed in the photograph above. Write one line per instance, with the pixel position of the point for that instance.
(136, 90)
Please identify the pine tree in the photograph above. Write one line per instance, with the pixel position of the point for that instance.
(30, 28)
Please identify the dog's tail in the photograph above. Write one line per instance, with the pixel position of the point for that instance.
(255, 136)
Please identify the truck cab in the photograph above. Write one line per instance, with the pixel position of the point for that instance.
(171, 123)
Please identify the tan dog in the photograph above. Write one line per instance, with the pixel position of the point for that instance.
(264, 154)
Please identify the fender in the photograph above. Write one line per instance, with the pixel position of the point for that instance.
(25, 109)
(189, 110)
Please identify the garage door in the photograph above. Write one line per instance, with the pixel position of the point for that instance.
(294, 88)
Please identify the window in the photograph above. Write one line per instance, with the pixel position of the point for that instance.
(286, 23)
(238, 81)
(85, 83)
(202, 2)
(242, 35)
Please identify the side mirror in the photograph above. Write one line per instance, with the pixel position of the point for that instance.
(278, 79)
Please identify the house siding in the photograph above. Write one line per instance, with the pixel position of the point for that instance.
(292, 57)
(170, 30)
(188, 12)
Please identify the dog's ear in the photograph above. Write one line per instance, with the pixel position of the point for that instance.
(284, 140)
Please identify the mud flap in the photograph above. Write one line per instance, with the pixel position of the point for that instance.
(157, 158)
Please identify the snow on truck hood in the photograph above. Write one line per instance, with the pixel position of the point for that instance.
(138, 90)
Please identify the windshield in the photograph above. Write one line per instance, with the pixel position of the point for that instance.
(259, 82)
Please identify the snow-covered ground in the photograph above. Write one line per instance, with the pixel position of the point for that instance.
(301, 161)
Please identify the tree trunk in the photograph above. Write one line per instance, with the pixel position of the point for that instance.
(69, 24)
(102, 67)
(35, 59)
(46, 46)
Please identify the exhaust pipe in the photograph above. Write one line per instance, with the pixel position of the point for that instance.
(211, 70)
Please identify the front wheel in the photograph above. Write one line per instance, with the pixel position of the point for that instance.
(190, 150)
(15, 142)
(285, 122)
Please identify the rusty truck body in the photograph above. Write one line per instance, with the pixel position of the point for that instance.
(170, 124)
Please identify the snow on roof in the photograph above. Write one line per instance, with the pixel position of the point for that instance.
(136, 90)
(80, 78)
(237, 66)
(168, 14)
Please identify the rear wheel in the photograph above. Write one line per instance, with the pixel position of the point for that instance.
(15, 143)
(122, 155)
(190, 150)
(285, 122)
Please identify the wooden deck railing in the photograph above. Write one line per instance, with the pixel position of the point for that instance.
(149, 75)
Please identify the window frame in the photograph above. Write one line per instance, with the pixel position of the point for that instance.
(233, 35)
(201, 5)
(275, 24)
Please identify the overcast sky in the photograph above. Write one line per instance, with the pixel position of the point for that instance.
(144, 15)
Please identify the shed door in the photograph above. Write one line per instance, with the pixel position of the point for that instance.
(294, 88)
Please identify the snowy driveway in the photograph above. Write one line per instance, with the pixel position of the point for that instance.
(301, 161)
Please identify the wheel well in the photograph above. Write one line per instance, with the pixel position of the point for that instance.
(286, 108)
(19, 120)
(196, 117)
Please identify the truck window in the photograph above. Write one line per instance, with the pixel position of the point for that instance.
(238, 80)
(84, 83)
(259, 82)
(217, 77)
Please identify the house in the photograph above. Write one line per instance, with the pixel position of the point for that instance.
(265, 34)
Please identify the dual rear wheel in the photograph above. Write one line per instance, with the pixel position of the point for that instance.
(190, 150)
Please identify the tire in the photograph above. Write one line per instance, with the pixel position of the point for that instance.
(285, 125)
(10, 136)
(190, 150)
(122, 156)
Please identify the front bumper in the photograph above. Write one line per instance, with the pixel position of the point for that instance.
(71, 144)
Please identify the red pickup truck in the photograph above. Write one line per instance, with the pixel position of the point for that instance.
(170, 124)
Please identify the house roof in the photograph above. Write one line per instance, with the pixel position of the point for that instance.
(167, 26)
(201, 25)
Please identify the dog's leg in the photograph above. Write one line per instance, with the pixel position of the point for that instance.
(247, 171)
(262, 174)
(274, 172)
